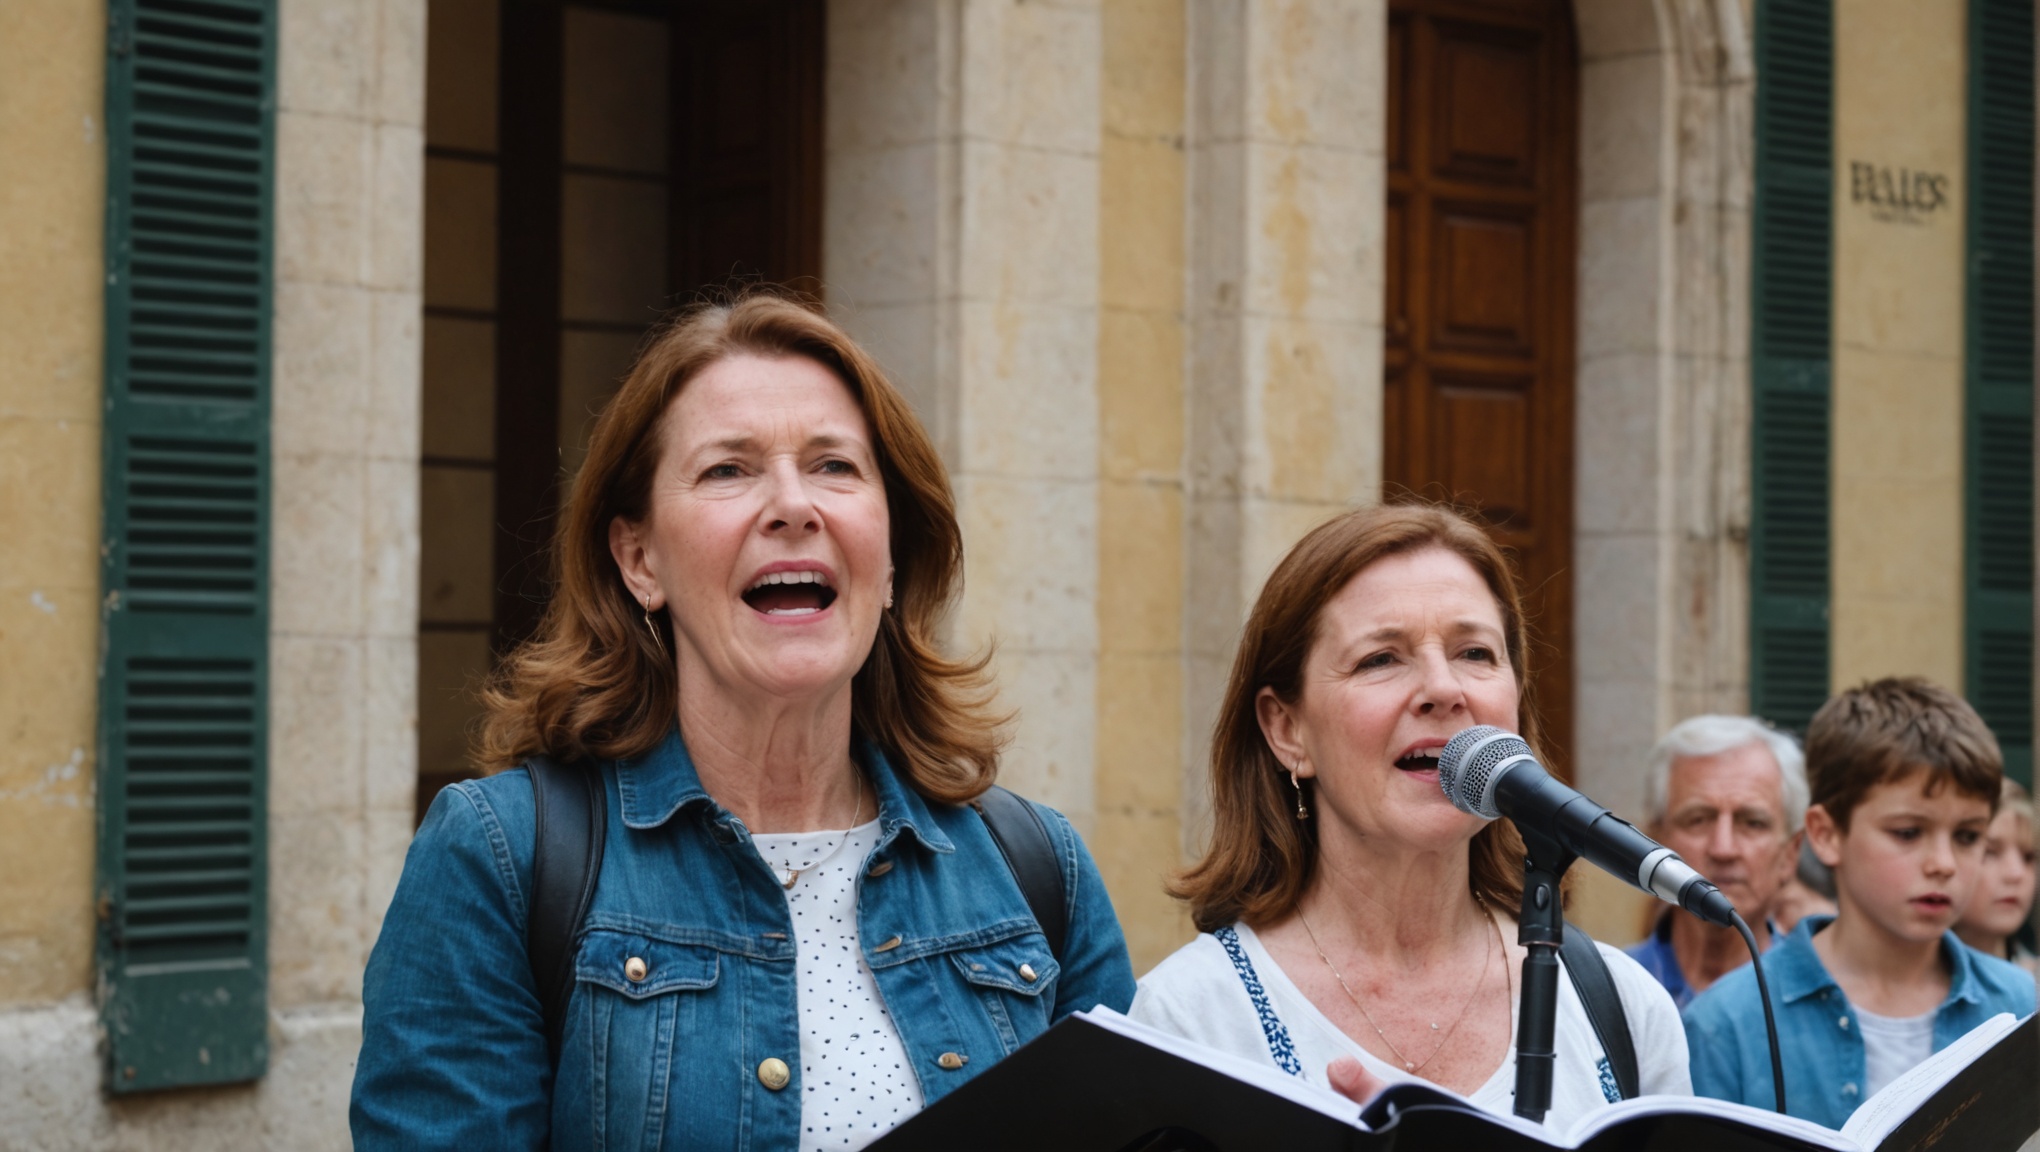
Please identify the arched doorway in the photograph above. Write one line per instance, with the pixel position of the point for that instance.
(1479, 311)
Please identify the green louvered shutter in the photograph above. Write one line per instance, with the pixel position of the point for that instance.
(1792, 234)
(182, 891)
(1998, 453)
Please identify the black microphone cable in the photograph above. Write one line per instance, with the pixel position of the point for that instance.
(1749, 940)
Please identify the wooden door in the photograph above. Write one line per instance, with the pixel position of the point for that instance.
(1479, 308)
(747, 119)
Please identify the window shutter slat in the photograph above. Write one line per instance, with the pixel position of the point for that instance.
(183, 690)
(1998, 456)
(1791, 294)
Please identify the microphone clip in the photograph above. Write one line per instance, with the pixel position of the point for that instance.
(1540, 929)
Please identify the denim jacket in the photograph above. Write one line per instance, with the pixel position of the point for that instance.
(1656, 955)
(1818, 1039)
(453, 1045)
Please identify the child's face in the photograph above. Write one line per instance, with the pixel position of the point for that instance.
(1909, 861)
(2004, 886)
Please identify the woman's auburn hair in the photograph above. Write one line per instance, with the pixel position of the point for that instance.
(592, 682)
(1261, 857)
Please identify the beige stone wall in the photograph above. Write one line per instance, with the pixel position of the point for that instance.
(344, 561)
(1142, 200)
(53, 200)
(1285, 264)
(1900, 96)
(961, 228)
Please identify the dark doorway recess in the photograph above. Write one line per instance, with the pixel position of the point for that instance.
(1482, 210)
(646, 153)
(747, 141)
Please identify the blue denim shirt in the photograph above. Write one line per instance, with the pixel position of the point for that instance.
(1655, 953)
(1817, 1036)
(453, 1048)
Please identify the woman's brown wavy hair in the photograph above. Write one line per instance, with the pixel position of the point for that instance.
(1261, 857)
(593, 683)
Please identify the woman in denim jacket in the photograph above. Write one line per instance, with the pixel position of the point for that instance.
(801, 933)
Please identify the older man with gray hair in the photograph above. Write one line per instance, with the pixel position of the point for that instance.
(1727, 793)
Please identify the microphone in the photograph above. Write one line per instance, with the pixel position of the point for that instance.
(1490, 773)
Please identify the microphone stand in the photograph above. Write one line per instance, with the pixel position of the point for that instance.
(1540, 928)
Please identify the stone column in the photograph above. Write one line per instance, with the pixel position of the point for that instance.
(1142, 200)
(1662, 463)
(1709, 601)
(1285, 141)
(343, 594)
(961, 232)
(1663, 434)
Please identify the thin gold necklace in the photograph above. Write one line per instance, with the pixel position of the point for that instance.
(788, 876)
(1419, 1066)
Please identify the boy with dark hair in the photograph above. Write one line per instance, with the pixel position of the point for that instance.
(1904, 778)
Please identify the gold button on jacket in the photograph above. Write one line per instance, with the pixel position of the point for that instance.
(1027, 973)
(634, 969)
(951, 1060)
(773, 1073)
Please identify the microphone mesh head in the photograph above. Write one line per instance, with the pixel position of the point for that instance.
(1466, 768)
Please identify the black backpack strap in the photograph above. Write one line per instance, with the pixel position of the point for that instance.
(1023, 840)
(572, 821)
(1596, 986)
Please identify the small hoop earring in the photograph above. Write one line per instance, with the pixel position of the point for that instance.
(651, 627)
(1302, 813)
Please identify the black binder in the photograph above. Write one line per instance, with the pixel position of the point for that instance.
(1094, 1084)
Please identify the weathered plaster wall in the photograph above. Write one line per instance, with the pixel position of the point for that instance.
(52, 198)
(1898, 311)
(343, 607)
(1287, 195)
(961, 233)
(1142, 199)
(1663, 423)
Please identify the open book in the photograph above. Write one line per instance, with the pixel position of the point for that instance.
(1099, 1082)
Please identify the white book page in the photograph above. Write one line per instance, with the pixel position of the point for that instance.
(1762, 1118)
(1273, 1080)
(1870, 1124)
(1877, 1116)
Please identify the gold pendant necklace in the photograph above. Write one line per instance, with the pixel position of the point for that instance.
(1418, 1066)
(787, 875)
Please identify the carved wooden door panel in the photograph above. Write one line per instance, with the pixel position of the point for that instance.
(1479, 306)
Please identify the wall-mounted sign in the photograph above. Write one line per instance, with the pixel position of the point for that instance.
(1898, 195)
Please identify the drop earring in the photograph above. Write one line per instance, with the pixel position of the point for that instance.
(651, 627)
(1302, 813)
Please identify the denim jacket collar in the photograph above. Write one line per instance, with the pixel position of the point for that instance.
(1799, 973)
(655, 786)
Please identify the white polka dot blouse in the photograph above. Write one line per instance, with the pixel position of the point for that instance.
(855, 1077)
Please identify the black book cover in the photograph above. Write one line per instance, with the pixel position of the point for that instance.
(1081, 1087)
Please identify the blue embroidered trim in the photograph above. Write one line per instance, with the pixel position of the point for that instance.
(1610, 1091)
(1279, 1045)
